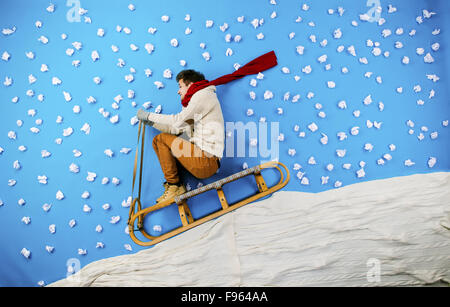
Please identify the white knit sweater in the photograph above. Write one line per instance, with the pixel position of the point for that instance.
(202, 120)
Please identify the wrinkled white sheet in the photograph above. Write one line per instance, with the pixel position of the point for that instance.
(389, 232)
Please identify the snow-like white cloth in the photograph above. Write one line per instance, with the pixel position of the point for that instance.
(390, 232)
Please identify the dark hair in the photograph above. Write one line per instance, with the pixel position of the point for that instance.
(190, 75)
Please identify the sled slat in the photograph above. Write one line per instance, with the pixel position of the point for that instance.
(260, 182)
(185, 214)
(222, 198)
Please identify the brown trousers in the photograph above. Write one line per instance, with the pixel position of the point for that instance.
(169, 148)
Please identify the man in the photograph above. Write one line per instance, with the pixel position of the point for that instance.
(201, 122)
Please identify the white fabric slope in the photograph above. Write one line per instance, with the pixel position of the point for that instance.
(387, 232)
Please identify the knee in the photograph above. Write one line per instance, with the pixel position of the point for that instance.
(156, 140)
(160, 138)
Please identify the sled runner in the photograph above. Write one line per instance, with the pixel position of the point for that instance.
(186, 217)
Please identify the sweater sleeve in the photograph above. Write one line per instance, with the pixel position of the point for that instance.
(187, 128)
(165, 128)
(178, 121)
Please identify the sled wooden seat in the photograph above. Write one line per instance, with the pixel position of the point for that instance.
(187, 220)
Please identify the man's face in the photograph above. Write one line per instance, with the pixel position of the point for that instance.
(182, 88)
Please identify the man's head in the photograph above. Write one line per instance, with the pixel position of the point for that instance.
(185, 78)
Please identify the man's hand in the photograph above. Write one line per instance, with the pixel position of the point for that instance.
(142, 115)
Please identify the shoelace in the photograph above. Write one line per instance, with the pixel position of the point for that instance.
(166, 192)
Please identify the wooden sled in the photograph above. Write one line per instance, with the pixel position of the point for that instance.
(186, 217)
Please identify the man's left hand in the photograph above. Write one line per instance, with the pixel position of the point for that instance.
(142, 115)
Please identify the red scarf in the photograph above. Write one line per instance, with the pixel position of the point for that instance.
(259, 64)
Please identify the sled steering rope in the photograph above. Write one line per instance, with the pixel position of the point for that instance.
(186, 217)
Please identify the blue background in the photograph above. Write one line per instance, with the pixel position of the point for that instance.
(353, 87)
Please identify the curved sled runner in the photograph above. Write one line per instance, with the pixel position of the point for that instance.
(186, 217)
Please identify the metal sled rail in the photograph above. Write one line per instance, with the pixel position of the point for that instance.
(187, 220)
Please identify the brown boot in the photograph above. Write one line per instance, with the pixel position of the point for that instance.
(166, 186)
(172, 191)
